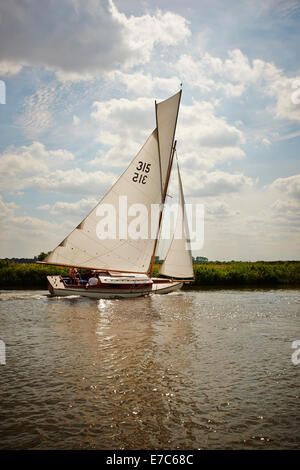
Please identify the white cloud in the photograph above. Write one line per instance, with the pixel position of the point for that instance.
(124, 126)
(144, 32)
(250, 225)
(286, 206)
(76, 120)
(44, 207)
(286, 213)
(215, 139)
(8, 68)
(90, 39)
(74, 181)
(288, 186)
(219, 209)
(38, 110)
(78, 208)
(95, 37)
(214, 183)
(200, 127)
(266, 142)
(35, 225)
(6, 208)
(146, 84)
(34, 166)
(23, 235)
(31, 159)
(282, 89)
(20, 166)
(234, 75)
(211, 74)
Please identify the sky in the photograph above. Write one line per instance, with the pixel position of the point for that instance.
(81, 78)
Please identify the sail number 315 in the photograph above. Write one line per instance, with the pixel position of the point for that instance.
(140, 176)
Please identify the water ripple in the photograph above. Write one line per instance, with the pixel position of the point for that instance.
(196, 369)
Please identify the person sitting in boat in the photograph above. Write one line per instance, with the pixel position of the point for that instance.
(93, 281)
(74, 276)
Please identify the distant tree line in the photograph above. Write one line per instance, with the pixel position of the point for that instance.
(40, 257)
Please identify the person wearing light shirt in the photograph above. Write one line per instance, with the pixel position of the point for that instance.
(93, 281)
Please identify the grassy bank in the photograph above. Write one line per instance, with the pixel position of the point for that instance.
(277, 273)
(17, 275)
(237, 274)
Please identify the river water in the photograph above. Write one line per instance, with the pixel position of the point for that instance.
(198, 369)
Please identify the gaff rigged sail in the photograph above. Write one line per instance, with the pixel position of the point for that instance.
(143, 182)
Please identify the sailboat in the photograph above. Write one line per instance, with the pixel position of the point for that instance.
(122, 266)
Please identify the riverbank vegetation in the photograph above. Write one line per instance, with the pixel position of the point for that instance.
(19, 275)
(219, 274)
(247, 274)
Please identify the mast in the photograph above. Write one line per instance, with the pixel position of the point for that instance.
(162, 209)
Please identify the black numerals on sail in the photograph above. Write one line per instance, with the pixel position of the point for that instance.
(140, 176)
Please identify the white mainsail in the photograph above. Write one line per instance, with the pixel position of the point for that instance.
(142, 183)
(178, 262)
(166, 119)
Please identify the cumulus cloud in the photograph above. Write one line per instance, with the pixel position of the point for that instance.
(125, 124)
(82, 38)
(205, 139)
(74, 181)
(34, 166)
(199, 126)
(234, 75)
(214, 183)
(74, 37)
(145, 83)
(286, 206)
(211, 74)
(288, 186)
(81, 207)
(219, 209)
(19, 231)
(35, 225)
(286, 211)
(8, 68)
(28, 160)
(6, 208)
(283, 90)
(143, 32)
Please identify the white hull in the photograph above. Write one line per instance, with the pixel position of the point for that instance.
(98, 295)
(166, 287)
(58, 288)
